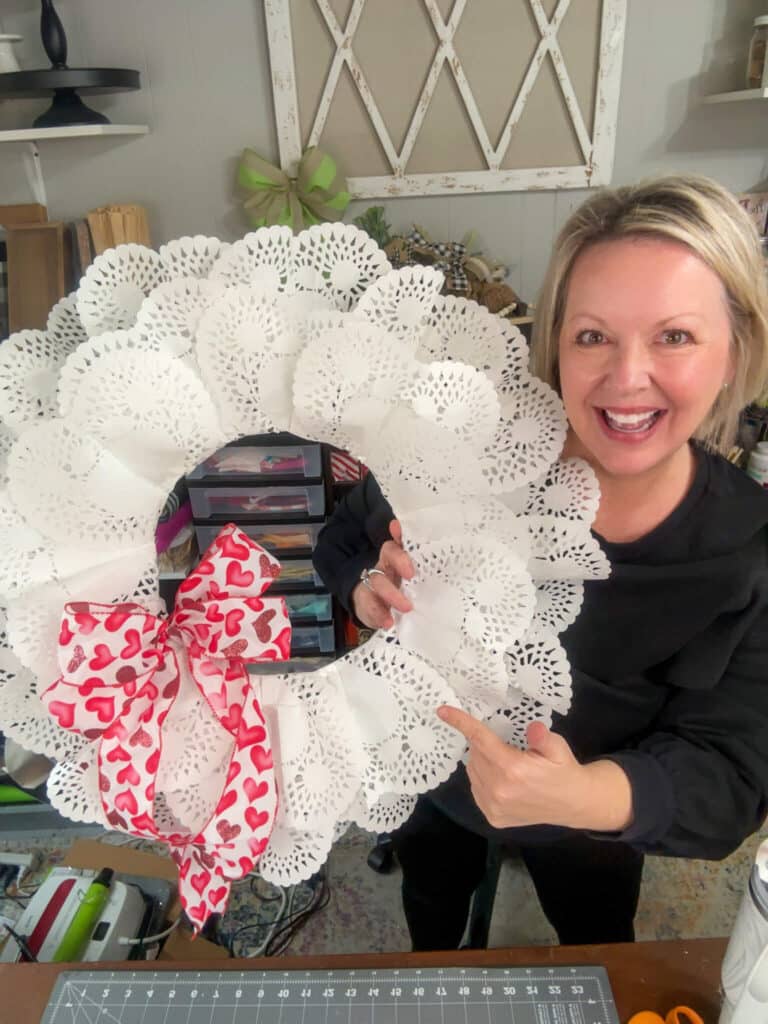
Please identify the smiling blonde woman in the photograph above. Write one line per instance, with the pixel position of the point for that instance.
(700, 215)
(653, 327)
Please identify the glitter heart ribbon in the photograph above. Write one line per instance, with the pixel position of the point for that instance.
(122, 669)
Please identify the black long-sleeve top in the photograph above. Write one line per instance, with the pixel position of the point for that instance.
(669, 658)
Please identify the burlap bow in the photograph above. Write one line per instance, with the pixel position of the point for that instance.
(317, 192)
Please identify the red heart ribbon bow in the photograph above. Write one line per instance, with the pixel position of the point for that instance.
(121, 670)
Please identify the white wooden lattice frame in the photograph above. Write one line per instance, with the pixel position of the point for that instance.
(597, 150)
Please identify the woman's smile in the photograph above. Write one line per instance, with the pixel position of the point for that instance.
(630, 425)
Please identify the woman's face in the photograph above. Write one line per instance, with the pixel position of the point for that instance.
(644, 351)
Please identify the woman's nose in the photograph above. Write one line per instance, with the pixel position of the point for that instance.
(630, 367)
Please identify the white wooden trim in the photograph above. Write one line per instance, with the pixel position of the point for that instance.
(284, 99)
(342, 39)
(558, 62)
(461, 182)
(532, 74)
(607, 94)
(597, 151)
(445, 33)
(422, 106)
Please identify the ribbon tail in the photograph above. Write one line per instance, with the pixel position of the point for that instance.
(324, 206)
(295, 211)
(269, 208)
(202, 890)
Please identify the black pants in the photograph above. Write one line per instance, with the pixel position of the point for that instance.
(588, 888)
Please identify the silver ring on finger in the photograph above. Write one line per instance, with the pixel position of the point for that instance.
(365, 577)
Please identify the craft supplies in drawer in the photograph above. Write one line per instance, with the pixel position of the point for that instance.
(309, 607)
(262, 463)
(312, 640)
(297, 574)
(281, 539)
(244, 504)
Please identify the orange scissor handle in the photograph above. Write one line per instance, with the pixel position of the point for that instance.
(683, 1015)
(680, 1015)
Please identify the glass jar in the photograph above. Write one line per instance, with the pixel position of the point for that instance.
(757, 53)
(757, 466)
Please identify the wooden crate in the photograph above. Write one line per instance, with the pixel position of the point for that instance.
(38, 272)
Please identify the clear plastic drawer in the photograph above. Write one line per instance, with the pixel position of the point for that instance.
(262, 462)
(309, 607)
(249, 503)
(281, 539)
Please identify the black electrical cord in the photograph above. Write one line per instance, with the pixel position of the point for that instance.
(322, 901)
(282, 937)
(255, 927)
(291, 923)
(21, 942)
(229, 941)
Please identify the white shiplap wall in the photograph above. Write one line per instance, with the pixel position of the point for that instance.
(206, 94)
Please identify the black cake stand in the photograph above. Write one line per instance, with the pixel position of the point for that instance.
(63, 82)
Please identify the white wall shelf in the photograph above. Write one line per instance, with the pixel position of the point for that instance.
(33, 136)
(738, 95)
(72, 132)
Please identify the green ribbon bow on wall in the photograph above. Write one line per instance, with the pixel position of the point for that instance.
(317, 193)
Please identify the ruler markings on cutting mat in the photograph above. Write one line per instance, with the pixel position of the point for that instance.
(430, 995)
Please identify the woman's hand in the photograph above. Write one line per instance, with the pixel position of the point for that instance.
(373, 604)
(544, 784)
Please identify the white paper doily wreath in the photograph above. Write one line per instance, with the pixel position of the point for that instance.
(161, 358)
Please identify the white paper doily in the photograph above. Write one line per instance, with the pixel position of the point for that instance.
(158, 360)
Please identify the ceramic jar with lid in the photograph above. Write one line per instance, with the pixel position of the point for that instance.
(758, 48)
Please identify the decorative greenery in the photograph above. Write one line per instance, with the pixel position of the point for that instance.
(374, 224)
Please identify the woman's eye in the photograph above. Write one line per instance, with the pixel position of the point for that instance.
(590, 338)
(676, 337)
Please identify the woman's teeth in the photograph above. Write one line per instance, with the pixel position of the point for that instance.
(631, 422)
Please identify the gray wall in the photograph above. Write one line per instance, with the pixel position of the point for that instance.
(206, 95)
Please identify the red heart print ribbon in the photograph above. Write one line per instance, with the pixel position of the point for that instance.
(121, 670)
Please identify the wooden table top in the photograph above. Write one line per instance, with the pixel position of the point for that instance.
(644, 975)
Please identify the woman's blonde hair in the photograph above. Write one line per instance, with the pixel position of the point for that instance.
(705, 217)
